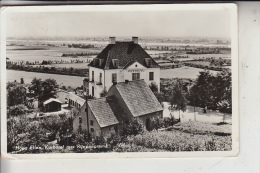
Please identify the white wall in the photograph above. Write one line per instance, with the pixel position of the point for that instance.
(122, 75)
(97, 88)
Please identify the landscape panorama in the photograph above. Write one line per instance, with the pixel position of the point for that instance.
(118, 89)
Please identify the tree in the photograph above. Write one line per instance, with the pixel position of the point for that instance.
(16, 94)
(211, 90)
(44, 89)
(177, 97)
(36, 86)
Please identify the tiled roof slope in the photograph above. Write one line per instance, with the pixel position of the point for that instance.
(124, 52)
(51, 100)
(117, 109)
(138, 97)
(102, 112)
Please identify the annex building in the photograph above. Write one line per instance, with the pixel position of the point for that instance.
(123, 102)
(120, 61)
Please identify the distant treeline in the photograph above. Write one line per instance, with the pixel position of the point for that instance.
(82, 46)
(53, 70)
(213, 66)
(192, 49)
(79, 54)
(30, 48)
(47, 62)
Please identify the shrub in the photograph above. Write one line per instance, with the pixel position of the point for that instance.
(179, 141)
(51, 125)
(15, 127)
(157, 123)
(113, 140)
(169, 121)
(81, 139)
(134, 128)
(17, 110)
(65, 129)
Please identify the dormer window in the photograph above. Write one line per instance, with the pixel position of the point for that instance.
(148, 62)
(115, 63)
(100, 62)
(95, 61)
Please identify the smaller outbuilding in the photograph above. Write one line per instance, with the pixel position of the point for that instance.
(52, 105)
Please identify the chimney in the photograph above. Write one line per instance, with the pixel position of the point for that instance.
(112, 40)
(126, 81)
(135, 40)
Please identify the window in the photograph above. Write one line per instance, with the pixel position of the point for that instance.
(148, 62)
(95, 61)
(114, 77)
(101, 62)
(100, 78)
(91, 122)
(92, 130)
(92, 91)
(115, 62)
(116, 129)
(150, 75)
(92, 76)
(135, 76)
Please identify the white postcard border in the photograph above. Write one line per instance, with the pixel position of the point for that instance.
(235, 89)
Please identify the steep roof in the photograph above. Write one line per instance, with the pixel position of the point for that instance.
(102, 112)
(116, 108)
(138, 97)
(124, 52)
(51, 100)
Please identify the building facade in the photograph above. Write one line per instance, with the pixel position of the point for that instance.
(52, 105)
(120, 61)
(73, 100)
(123, 102)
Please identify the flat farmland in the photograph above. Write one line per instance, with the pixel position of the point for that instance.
(157, 52)
(200, 63)
(22, 53)
(183, 72)
(195, 56)
(74, 65)
(66, 80)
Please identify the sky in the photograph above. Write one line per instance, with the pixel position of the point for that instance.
(213, 24)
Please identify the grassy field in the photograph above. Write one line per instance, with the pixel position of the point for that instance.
(182, 72)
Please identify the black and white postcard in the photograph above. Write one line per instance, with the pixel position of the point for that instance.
(117, 81)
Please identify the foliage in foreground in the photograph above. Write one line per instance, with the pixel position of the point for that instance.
(179, 141)
(25, 132)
